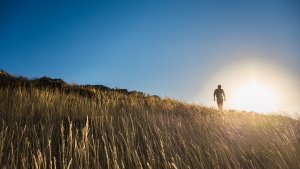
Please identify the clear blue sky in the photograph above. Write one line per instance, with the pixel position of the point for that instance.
(170, 48)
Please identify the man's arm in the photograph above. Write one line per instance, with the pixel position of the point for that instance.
(215, 95)
(224, 95)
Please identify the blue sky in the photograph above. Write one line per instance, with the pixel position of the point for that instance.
(179, 49)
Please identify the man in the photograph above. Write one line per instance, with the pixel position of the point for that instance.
(220, 95)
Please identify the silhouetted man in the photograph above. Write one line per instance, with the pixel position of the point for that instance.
(220, 95)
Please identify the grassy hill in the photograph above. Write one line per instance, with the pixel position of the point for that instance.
(47, 123)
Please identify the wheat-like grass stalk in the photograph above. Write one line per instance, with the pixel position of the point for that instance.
(46, 128)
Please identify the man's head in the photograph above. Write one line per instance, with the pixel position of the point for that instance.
(219, 86)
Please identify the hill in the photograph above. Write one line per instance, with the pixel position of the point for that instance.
(7, 80)
(47, 123)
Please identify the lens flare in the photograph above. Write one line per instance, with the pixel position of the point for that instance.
(255, 98)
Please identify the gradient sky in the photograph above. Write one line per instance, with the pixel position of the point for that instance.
(180, 49)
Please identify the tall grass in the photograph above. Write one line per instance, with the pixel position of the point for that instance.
(45, 128)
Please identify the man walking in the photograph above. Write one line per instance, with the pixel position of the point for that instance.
(220, 95)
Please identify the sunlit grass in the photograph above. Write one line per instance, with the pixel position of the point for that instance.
(45, 128)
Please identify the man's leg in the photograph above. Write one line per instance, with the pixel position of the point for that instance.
(220, 103)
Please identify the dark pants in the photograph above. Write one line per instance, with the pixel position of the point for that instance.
(220, 103)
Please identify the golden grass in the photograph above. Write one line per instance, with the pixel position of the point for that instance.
(45, 128)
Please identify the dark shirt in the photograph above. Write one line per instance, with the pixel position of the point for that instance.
(219, 93)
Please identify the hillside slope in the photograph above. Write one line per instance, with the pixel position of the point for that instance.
(47, 123)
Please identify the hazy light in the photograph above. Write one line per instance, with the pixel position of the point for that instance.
(254, 85)
(255, 98)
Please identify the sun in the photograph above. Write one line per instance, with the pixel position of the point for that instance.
(255, 98)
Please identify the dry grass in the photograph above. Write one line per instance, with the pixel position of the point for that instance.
(43, 128)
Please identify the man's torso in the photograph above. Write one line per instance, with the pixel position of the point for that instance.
(219, 93)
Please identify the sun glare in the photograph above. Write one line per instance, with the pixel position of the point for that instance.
(255, 98)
